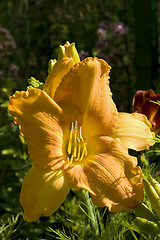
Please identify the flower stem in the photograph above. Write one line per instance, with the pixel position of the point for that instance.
(91, 213)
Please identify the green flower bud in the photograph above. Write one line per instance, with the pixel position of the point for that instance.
(152, 196)
(33, 83)
(146, 226)
(143, 159)
(144, 212)
(68, 50)
(61, 52)
(155, 184)
(51, 64)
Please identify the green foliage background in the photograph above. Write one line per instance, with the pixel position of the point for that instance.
(30, 32)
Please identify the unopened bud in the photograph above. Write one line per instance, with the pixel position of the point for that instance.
(152, 196)
(68, 50)
(51, 64)
(144, 212)
(155, 184)
(143, 159)
(146, 226)
(33, 83)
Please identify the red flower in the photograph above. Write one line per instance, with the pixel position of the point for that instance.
(142, 103)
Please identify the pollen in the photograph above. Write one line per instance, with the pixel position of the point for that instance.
(77, 144)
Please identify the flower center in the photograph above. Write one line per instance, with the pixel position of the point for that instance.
(76, 149)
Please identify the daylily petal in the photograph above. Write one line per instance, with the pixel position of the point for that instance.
(37, 115)
(90, 77)
(60, 69)
(42, 193)
(134, 131)
(113, 178)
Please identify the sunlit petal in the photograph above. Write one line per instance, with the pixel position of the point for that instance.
(60, 69)
(42, 193)
(113, 178)
(37, 115)
(134, 131)
(86, 85)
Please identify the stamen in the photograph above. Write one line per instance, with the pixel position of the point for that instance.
(75, 139)
(71, 160)
(79, 150)
(70, 139)
(85, 148)
(77, 146)
(82, 155)
(68, 161)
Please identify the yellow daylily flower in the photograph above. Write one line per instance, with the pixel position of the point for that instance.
(74, 138)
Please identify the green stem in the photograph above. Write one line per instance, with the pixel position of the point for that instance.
(91, 213)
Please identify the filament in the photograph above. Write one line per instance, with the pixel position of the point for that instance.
(77, 145)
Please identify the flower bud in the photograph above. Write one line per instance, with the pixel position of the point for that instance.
(146, 226)
(144, 212)
(33, 83)
(68, 50)
(155, 184)
(140, 98)
(51, 64)
(143, 159)
(145, 102)
(152, 196)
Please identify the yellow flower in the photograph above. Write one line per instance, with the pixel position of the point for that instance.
(77, 139)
